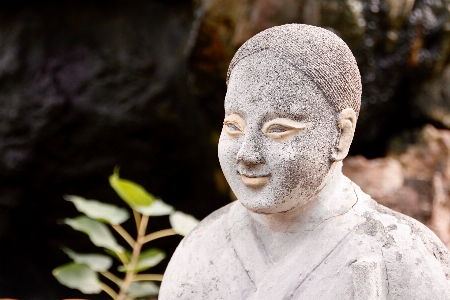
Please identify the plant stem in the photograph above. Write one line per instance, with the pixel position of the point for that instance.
(137, 219)
(158, 234)
(112, 277)
(123, 258)
(134, 259)
(148, 277)
(126, 236)
(108, 290)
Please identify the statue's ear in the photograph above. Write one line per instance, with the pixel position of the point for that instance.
(346, 124)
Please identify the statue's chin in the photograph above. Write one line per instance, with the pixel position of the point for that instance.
(259, 207)
(270, 207)
(296, 199)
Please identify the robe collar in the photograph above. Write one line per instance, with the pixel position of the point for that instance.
(290, 272)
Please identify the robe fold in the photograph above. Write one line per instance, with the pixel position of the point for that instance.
(370, 252)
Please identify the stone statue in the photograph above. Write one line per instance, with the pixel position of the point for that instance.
(300, 229)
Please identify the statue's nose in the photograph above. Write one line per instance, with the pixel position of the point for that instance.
(250, 152)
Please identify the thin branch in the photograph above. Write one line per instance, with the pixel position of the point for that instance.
(148, 277)
(143, 226)
(112, 277)
(108, 290)
(126, 236)
(158, 234)
(134, 259)
(137, 218)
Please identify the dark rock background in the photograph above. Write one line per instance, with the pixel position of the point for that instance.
(87, 85)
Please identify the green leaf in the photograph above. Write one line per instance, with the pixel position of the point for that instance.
(101, 211)
(157, 208)
(147, 260)
(78, 276)
(96, 262)
(98, 232)
(132, 193)
(143, 289)
(182, 223)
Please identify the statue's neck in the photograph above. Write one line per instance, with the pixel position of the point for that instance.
(335, 197)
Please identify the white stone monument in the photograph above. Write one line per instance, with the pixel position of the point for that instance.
(300, 229)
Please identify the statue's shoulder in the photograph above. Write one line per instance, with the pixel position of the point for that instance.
(198, 259)
(404, 228)
(417, 262)
(414, 262)
(418, 231)
(214, 226)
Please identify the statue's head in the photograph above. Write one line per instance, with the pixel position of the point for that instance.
(293, 97)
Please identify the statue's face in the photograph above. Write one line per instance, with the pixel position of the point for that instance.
(278, 135)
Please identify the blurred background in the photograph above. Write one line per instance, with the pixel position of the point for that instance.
(87, 85)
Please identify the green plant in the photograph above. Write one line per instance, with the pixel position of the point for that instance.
(83, 272)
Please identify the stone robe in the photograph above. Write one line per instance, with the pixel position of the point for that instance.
(369, 252)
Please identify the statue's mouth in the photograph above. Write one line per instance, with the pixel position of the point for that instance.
(254, 181)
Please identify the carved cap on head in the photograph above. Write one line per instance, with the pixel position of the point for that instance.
(318, 53)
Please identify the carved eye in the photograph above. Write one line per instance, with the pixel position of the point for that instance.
(232, 127)
(276, 128)
(283, 129)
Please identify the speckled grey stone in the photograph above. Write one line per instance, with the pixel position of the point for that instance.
(318, 53)
(300, 229)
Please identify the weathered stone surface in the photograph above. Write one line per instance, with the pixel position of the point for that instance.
(300, 229)
(88, 85)
(414, 181)
(398, 44)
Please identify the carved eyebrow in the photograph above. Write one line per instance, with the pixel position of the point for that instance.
(234, 118)
(286, 123)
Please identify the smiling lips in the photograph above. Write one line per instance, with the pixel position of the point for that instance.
(254, 182)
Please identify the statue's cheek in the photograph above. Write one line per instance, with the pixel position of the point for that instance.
(227, 152)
